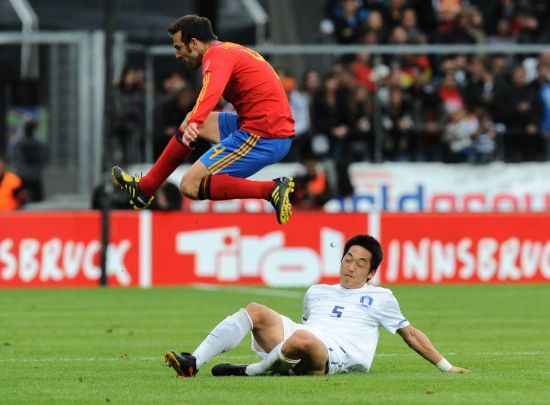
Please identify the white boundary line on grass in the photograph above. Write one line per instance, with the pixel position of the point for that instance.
(248, 290)
(141, 358)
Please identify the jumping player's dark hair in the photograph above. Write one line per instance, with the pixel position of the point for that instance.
(370, 244)
(193, 26)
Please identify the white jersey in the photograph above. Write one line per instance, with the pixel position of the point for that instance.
(350, 319)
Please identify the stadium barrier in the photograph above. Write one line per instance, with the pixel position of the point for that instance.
(404, 187)
(62, 249)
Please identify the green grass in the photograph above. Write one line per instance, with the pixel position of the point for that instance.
(107, 345)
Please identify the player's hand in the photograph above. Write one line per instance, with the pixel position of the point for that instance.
(459, 370)
(190, 133)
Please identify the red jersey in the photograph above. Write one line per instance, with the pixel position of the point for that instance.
(247, 81)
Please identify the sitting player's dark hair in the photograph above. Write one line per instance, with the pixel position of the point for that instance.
(370, 244)
(193, 26)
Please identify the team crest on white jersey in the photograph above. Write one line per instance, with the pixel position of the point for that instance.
(366, 300)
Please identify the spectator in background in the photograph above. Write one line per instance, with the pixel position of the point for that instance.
(428, 116)
(176, 101)
(362, 69)
(530, 30)
(349, 24)
(167, 198)
(397, 125)
(478, 90)
(375, 29)
(300, 111)
(129, 122)
(12, 194)
(107, 194)
(518, 107)
(492, 11)
(311, 190)
(449, 93)
(500, 67)
(330, 118)
(475, 24)
(395, 12)
(504, 34)
(361, 141)
(460, 32)
(458, 135)
(484, 144)
(541, 88)
(311, 84)
(28, 156)
(410, 24)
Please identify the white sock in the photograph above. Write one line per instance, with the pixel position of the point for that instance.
(274, 362)
(225, 336)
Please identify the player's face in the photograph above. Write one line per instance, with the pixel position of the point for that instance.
(355, 267)
(187, 53)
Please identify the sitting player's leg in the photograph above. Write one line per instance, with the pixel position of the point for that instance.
(142, 190)
(225, 336)
(302, 352)
(278, 357)
(311, 351)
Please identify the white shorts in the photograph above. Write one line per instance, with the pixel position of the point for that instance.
(337, 357)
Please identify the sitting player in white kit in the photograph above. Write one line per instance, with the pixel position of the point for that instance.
(339, 333)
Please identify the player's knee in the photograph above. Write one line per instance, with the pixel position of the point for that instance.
(189, 188)
(256, 312)
(300, 341)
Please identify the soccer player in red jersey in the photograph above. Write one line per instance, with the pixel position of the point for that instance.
(259, 134)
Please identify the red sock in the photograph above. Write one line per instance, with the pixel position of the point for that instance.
(172, 156)
(224, 187)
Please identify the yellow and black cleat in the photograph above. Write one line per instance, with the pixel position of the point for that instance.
(184, 364)
(280, 198)
(131, 186)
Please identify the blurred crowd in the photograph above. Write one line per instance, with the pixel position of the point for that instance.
(451, 108)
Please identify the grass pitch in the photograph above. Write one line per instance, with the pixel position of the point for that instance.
(107, 346)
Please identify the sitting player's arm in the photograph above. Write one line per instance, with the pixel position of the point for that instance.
(421, 344)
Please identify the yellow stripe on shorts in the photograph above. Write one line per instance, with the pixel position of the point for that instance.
(243, 150)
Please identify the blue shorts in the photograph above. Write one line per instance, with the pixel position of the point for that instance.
(240, 153)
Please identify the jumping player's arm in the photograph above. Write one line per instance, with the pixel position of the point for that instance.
(217, 67)
(421, 344)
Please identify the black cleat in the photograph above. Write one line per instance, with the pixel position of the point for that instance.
(185, 364)
(227, 369)
(131, 186)
(280, 198)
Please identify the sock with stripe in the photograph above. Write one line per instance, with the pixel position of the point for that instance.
(274, 362)
(225, 336)
(225, 187)
(172, 156)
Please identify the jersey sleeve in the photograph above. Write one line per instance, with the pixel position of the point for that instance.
(391, 317)
(217, 67)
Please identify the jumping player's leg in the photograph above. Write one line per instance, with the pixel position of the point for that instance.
(221, 173)
(142, 190)
(176, 153)
(199, 184)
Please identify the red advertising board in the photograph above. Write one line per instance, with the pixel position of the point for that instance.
(147, 249)
(63, 249)
(250, 248)
(472, 248)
